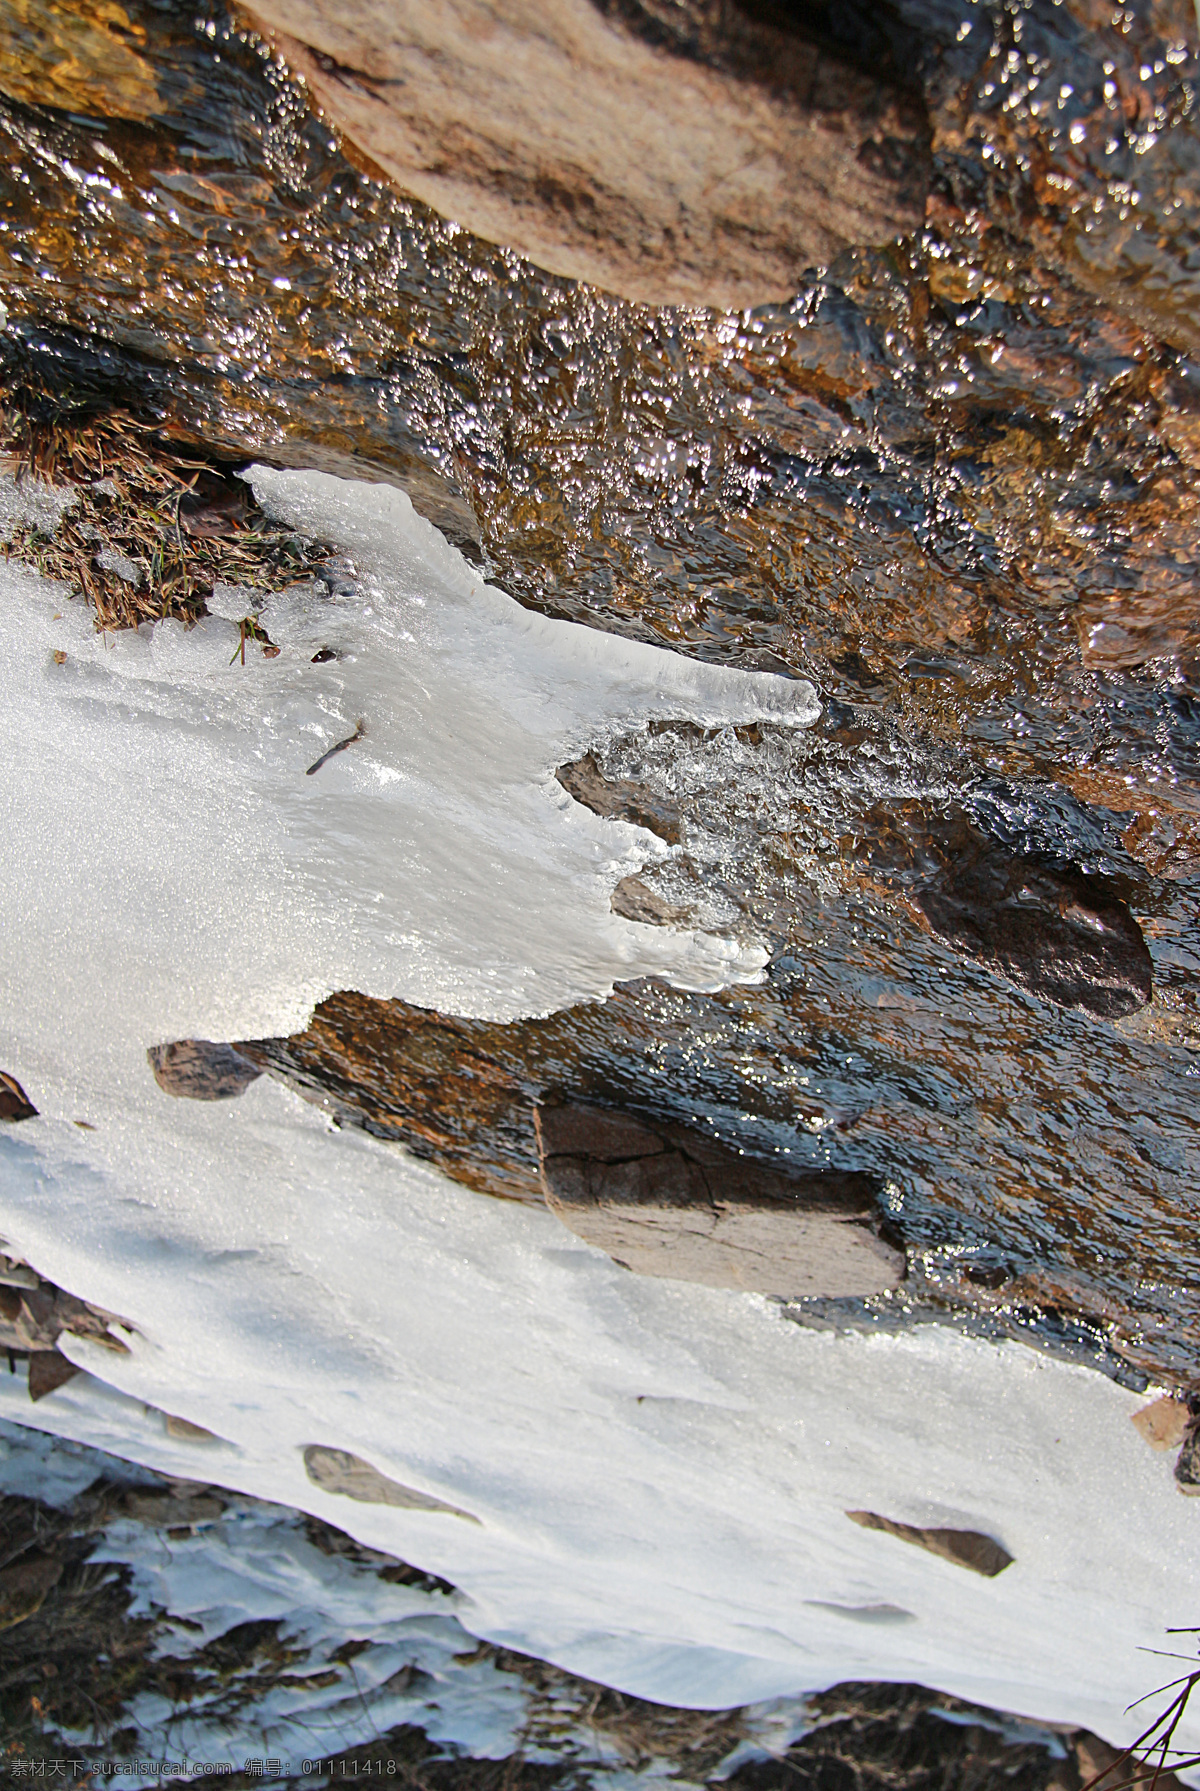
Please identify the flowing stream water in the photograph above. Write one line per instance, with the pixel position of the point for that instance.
(953, 483)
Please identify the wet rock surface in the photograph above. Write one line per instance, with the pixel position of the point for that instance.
(1055, 930)
(66, 56)
(664, 1200)
(553, 128)
(946, 479)
(993, 1178)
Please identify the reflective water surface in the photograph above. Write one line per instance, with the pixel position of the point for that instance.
(954, 482)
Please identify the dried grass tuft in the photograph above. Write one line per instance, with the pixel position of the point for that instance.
(180, 522)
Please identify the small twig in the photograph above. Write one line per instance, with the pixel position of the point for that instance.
(341, 746)
(1166, 1724)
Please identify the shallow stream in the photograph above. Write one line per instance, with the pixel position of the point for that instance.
(953, 483)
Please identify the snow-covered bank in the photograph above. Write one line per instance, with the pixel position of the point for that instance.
(660, 1473)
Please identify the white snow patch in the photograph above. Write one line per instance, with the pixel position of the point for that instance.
(32, 501)
(660, 1472)
(411, 1661)
(255, 1564)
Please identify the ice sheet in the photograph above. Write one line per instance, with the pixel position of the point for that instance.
(660, 1473)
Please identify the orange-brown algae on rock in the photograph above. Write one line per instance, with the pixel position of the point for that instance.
(83, 58)
(545, 127)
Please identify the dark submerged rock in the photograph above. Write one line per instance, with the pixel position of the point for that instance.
(1047, 930)
(1061, 934)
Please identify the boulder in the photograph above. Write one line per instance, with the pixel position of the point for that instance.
(662, 1200)
(714, 178)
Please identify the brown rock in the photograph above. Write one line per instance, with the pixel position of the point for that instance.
(34, 1314)
(337, 1471)
(16, 1274)
(1058, 932)
(1108, 1768)
(186, 1431)
(663, 1201)
(619, 798)
(1046, 930)
(597, 1132)
(15, 1104)
(966, 1548)
(48, 1370)
(544, 126)
(39, 1323)
(201, 1070)
(634, 900)
(179, 1506)
(1165, 1423)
